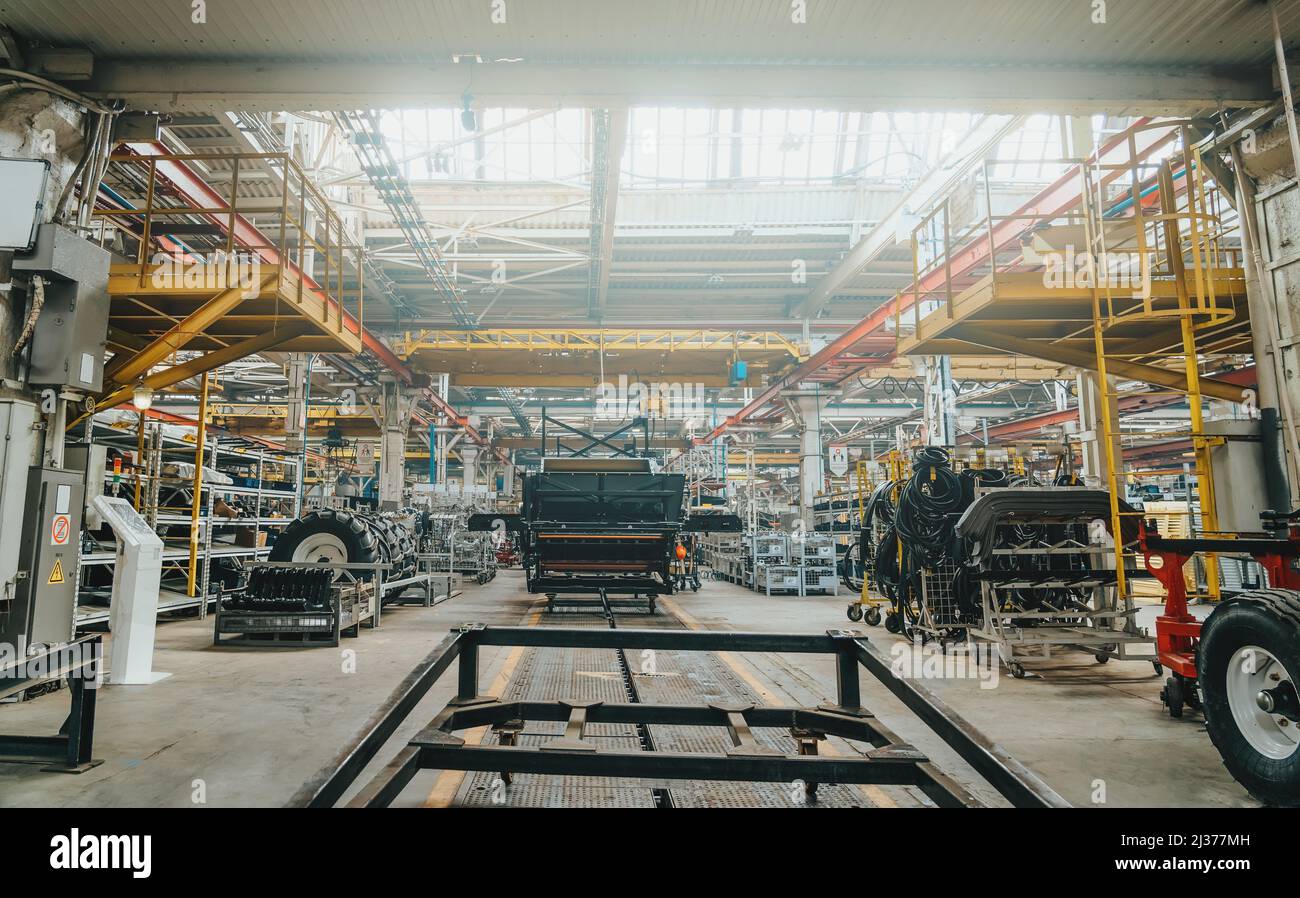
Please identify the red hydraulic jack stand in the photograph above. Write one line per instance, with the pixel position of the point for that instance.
(1177, 630)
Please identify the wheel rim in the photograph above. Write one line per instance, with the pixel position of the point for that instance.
(323, 548)
(1251, 670)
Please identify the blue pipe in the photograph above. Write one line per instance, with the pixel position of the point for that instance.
(1128, 201)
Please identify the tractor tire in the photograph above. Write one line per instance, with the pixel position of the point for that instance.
(331, 536)
(396, 546)
(1248, 656)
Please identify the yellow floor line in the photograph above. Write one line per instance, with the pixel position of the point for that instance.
(874, 794)
(449, 781)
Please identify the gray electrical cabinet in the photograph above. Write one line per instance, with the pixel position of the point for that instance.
(1236, 464)
(72, 328)
(43, 608)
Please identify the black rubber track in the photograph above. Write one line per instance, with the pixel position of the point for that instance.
(1270, 619)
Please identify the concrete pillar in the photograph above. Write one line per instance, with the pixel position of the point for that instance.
(1089, 431)
(940, 412)
(808, 405)
(443, 384)
(469, 462)
(508, 477)
(434, 463)
(295, 418)
(396, 407)
(1276, 399)
(441, 450)
(1081, 137)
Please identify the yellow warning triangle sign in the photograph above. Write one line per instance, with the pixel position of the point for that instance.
(56, 575)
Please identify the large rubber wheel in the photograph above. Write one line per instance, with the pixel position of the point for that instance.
(396, 546)
(1248, 657)
(330, 536)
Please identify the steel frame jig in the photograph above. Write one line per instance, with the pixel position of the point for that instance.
(889, 761)
(80, 662)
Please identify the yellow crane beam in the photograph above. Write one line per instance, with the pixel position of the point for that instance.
(596, 340)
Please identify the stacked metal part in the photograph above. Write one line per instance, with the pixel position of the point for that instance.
(283, 590)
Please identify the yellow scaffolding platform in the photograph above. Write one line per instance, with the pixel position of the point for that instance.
(1035, 298)
(207, 286)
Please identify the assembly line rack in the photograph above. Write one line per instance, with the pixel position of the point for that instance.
(1105, 627)
(353, 603)
(775, 561)
(888, 760)
(1051, 584)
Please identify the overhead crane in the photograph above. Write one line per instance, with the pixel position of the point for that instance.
(583, 357)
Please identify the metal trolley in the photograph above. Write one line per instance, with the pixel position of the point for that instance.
(1047, 584)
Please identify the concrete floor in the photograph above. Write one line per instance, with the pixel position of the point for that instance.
(247, 727)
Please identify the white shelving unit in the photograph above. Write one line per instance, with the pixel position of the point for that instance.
(261, 469)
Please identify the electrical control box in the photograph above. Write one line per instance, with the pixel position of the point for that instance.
(1236, 462)
(93, 459)
(43, 608)
(739, 373)
(67, 348)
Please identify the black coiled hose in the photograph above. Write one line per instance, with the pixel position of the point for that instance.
(928, 505)
(928, 508)
(885, 564)
(972, 478)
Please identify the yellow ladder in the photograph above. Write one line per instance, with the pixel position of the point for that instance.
(1168, 227)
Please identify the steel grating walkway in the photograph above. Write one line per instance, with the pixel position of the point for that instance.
(688, 678)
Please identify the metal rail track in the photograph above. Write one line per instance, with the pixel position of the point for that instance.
(663, 798)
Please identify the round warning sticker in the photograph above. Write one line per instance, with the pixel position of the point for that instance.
(60, 529)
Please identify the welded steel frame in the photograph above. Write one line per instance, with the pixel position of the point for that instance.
(889, 761)
(80, 662)
(593, 441)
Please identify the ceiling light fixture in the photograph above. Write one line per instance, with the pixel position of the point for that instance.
(142, 397)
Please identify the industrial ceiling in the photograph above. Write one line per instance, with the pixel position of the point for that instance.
(1113, 57)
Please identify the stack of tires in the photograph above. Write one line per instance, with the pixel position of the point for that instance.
(396, 545)
(336, 536)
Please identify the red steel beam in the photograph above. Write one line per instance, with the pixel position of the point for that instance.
(1136, 402)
